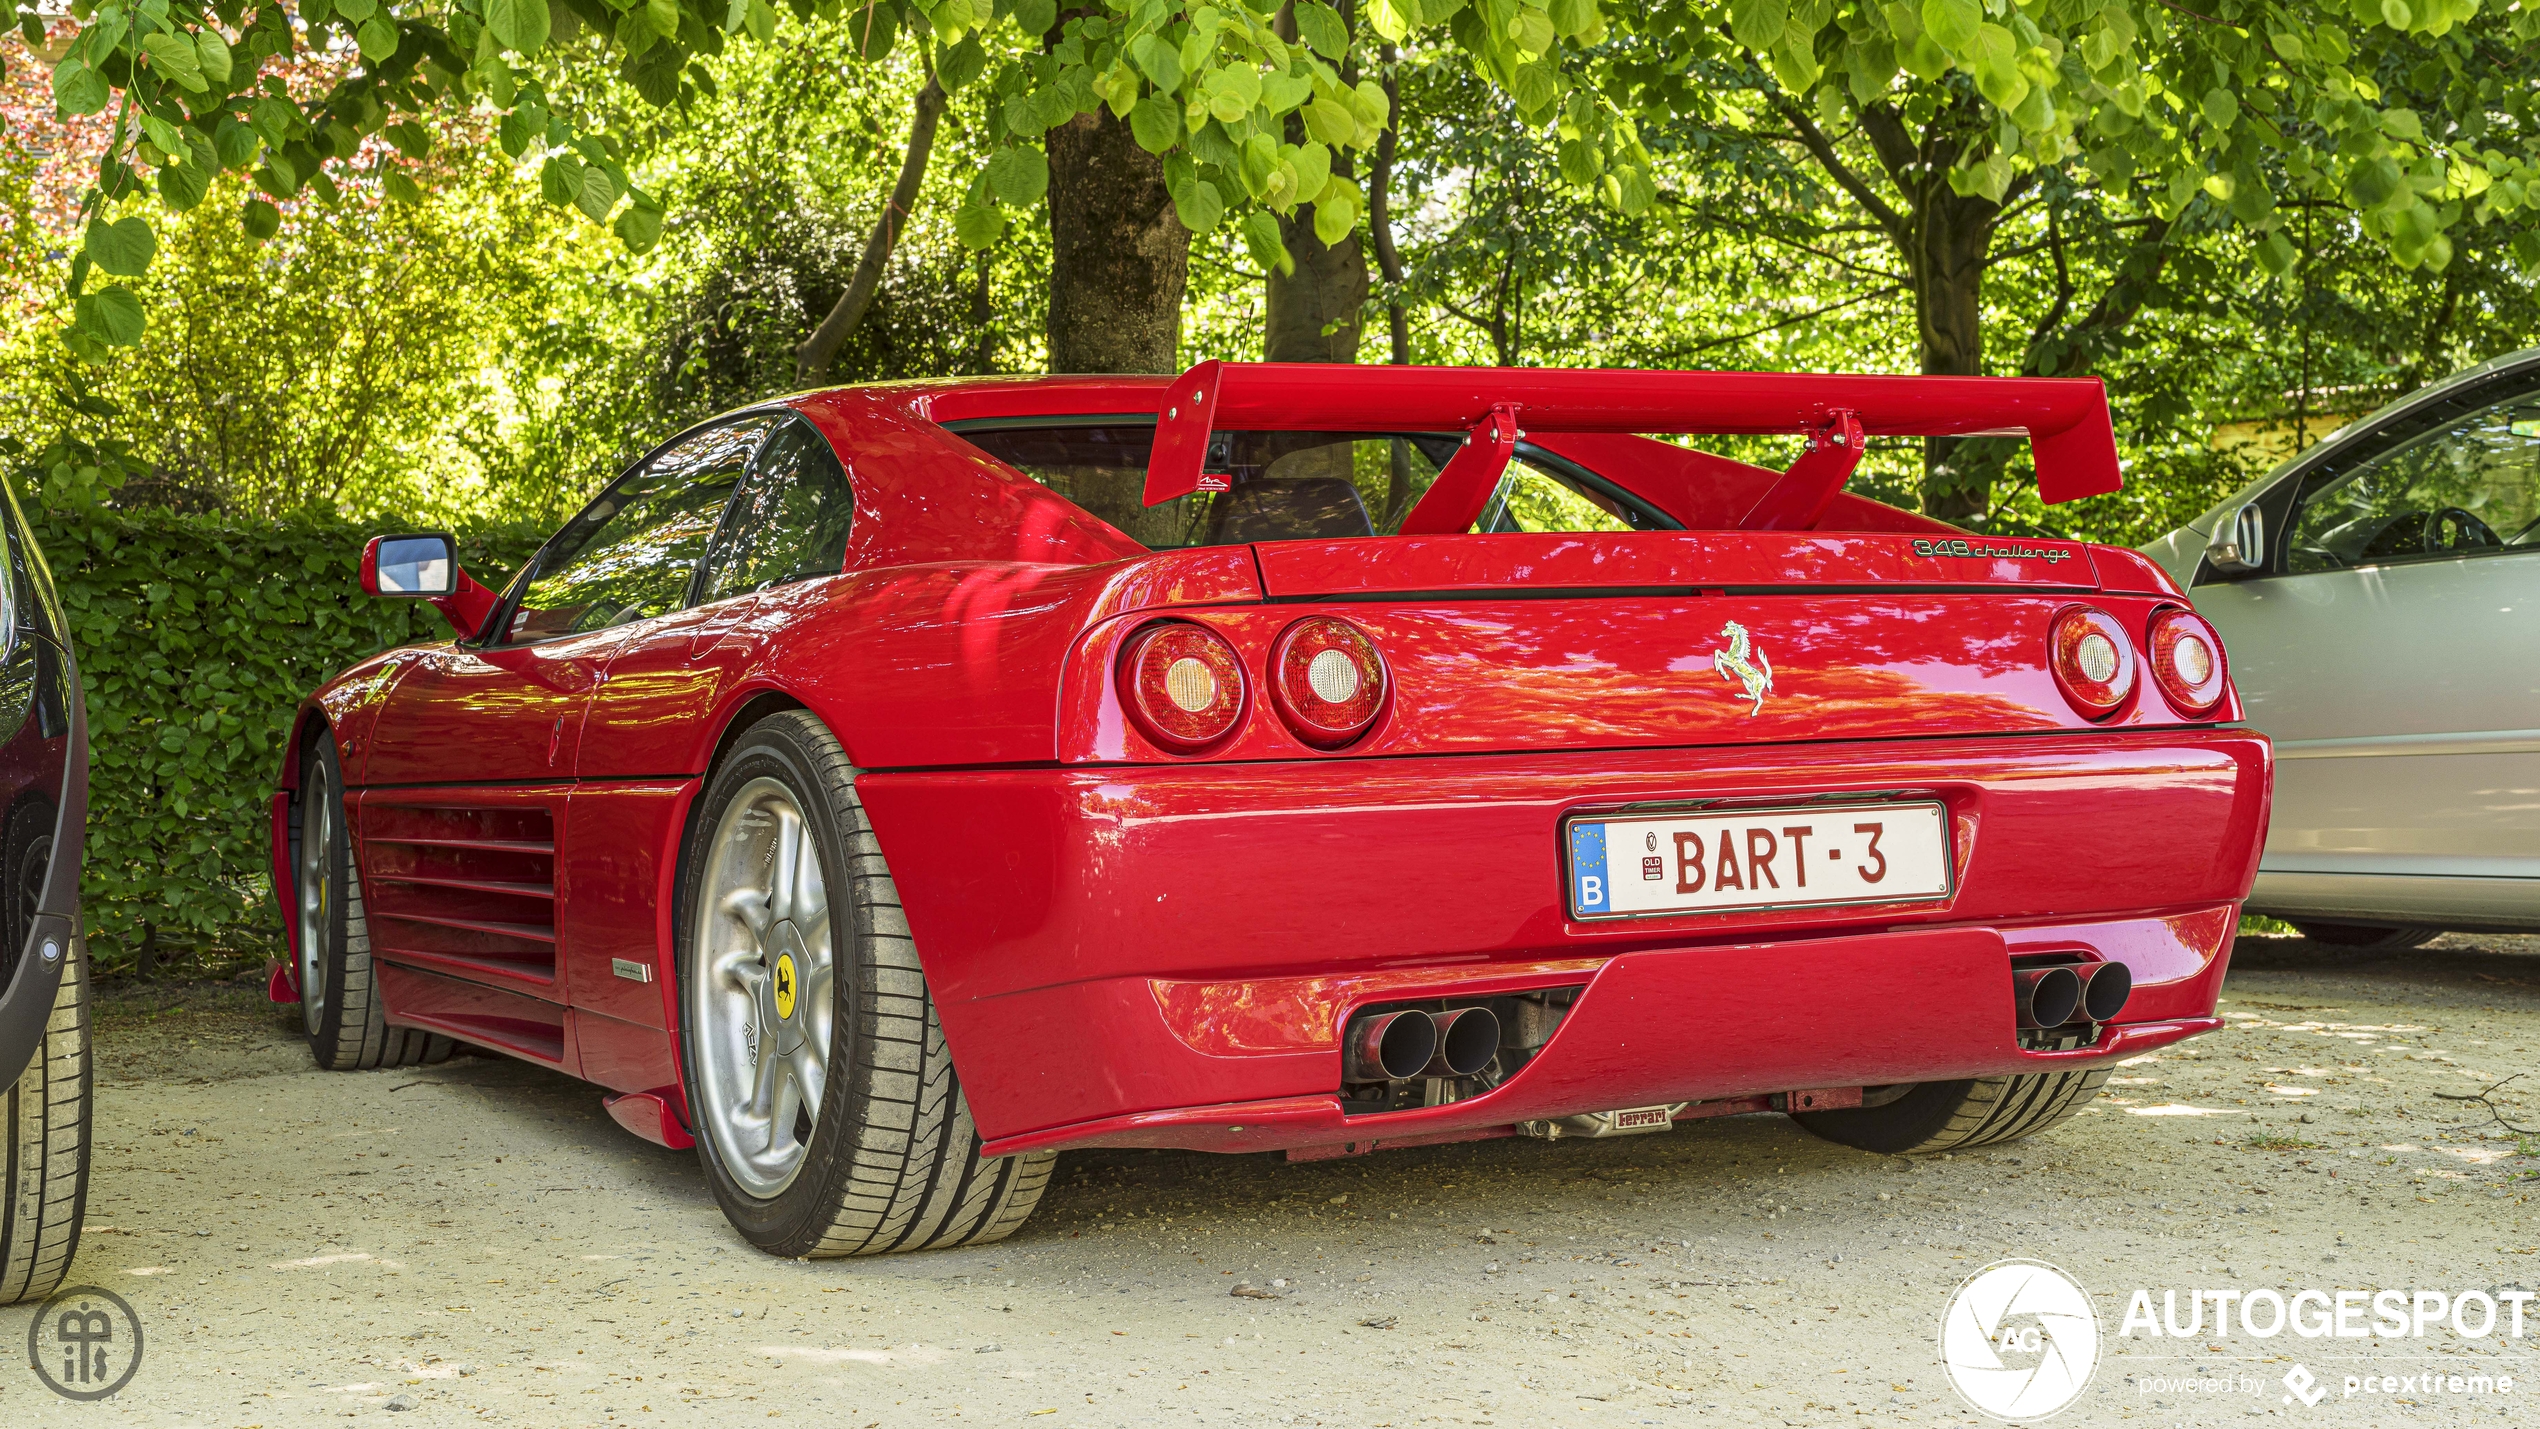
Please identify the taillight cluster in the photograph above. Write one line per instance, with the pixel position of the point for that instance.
(1187, 689)
(2095, 662)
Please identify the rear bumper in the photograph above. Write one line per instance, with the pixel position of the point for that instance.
(1705, 1024)
(1154, 955)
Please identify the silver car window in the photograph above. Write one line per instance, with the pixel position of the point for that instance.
(2469, 488)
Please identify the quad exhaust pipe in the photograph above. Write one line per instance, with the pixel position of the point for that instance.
(2080, 992)
(1397, 1046)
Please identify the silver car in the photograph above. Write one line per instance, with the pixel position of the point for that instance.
(2379, 600)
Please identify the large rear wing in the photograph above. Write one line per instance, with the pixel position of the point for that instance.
(2064, 418)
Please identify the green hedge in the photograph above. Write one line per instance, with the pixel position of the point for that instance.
(197, 637)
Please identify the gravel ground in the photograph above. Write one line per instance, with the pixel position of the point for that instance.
(477, 1242)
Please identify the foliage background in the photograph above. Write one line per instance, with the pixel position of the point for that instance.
(197, 637)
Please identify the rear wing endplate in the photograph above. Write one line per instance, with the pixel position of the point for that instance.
(2064, 418)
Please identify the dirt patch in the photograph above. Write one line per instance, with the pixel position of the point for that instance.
(479, 1238)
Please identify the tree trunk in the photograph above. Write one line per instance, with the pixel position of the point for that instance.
(813, 358)
(1119, 256)
(1314, 313)
(1947, 264)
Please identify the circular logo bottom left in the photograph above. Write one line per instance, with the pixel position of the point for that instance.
(85, 1343)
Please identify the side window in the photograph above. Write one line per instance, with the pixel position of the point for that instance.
(631, 553)
(2467, 488)
(790, 521)
(1529, 499)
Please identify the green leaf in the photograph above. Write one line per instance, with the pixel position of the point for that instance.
(124, 247)
(761, 21)
(174, 60)
(1322, 29)
(2397, 15)
(411, 139)
(261, 219)
(377, 38)
(235, 142)
(1580, 163)
(1994, 58)
(1331, 121)
(1531, 31)
(111, 315)
(1019, 175)
(1261, 240)
(596, 192)
(520, 26)
(1333, 219)
(639, 228)
(1313, 165)
(1033, 18)
(77, 89)
(401, 188)
(1283, 92)
(181, 186)
(1199, 207)
(1392, 19)
(353, 12)
(978, 225)
(1952, 24)
(560, 178)
(2403, 124)
(1758, 24)
(663, 16)
(1537, 88)
(518, 129)
(961, 64)
(2221, 107)
(1158, 60)
(871, 29)
(1230, 91)
(1578, 20)
(163, 134)
(211, 53)
(1156, 123)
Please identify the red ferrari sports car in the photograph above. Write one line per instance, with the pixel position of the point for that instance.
(884, 788)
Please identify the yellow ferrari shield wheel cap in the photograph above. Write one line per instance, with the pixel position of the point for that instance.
(785, 985)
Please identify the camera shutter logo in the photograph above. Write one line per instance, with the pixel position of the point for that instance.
(85, 1343)
(2019, 1340)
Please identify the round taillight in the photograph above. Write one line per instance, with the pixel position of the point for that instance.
(1182, 684)
(2187, 661)
(1327, 679)
(2093, 660)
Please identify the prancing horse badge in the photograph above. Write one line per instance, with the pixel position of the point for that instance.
(1744, 664)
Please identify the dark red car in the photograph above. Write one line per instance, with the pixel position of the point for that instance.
(890, 786)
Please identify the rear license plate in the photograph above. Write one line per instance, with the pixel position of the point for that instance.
(1810, 856)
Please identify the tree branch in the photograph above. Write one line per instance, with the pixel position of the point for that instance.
(1899, 230)
(812, 359)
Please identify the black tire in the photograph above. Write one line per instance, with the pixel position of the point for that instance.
(340, 1010)
(2367, 937)
(46, 1121)
(892, 1161)
(1959, 1116)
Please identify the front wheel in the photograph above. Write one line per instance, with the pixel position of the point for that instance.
(1959, 1116)
(45, 1124)
(828, 1115)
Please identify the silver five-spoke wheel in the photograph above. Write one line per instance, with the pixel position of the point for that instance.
(760, 992)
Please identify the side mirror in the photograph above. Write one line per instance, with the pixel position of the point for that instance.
(422, 566)
(2239, 545)
(425, 566)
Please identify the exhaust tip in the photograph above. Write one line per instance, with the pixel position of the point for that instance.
(2105, 988)
(1468, 1037)
(2045, 997)
(1388, 1046)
